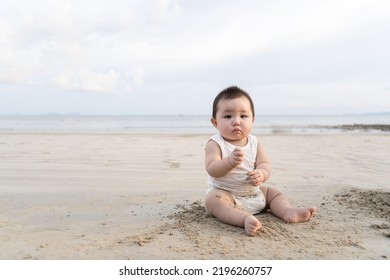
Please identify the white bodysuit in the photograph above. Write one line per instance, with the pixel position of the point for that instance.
(246, 196)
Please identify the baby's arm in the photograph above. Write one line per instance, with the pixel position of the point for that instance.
(262, 167)
(218, 167)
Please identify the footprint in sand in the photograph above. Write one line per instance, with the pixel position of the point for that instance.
(172, 164)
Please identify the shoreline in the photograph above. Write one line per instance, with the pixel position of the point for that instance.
(266, 125)
(355, 130)
(140, 196)
(359, 127)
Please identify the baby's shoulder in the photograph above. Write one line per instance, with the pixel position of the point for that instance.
(217, 138)
(253, 139)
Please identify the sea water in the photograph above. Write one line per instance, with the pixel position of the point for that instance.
(264, 124)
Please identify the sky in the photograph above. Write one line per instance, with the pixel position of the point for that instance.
(125, 57)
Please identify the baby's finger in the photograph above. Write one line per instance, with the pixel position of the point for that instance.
(250, 179)
(252, 182)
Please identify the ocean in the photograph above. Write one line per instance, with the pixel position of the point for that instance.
(264, 124)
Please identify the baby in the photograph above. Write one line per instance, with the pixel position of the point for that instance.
(238, 165)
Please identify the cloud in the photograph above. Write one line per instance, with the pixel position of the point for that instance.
(137, 46)
(87, 45)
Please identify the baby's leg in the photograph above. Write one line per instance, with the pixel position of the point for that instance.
(221, 205)
(281, 207)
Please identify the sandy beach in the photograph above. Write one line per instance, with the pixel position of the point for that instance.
(140, 196)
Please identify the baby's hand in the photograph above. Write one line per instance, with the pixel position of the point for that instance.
(255, 177)
(236, 157)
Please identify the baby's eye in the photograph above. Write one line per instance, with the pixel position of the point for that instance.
(227, 116)
(244, 116)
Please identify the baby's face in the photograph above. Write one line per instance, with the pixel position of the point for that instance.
(234, 119)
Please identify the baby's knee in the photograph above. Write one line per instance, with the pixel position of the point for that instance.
(216, 197)
(271, 194)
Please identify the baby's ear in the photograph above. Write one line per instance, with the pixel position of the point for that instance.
(214, 122)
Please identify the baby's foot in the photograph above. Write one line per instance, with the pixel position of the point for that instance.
(297, 215)
(251, 224)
